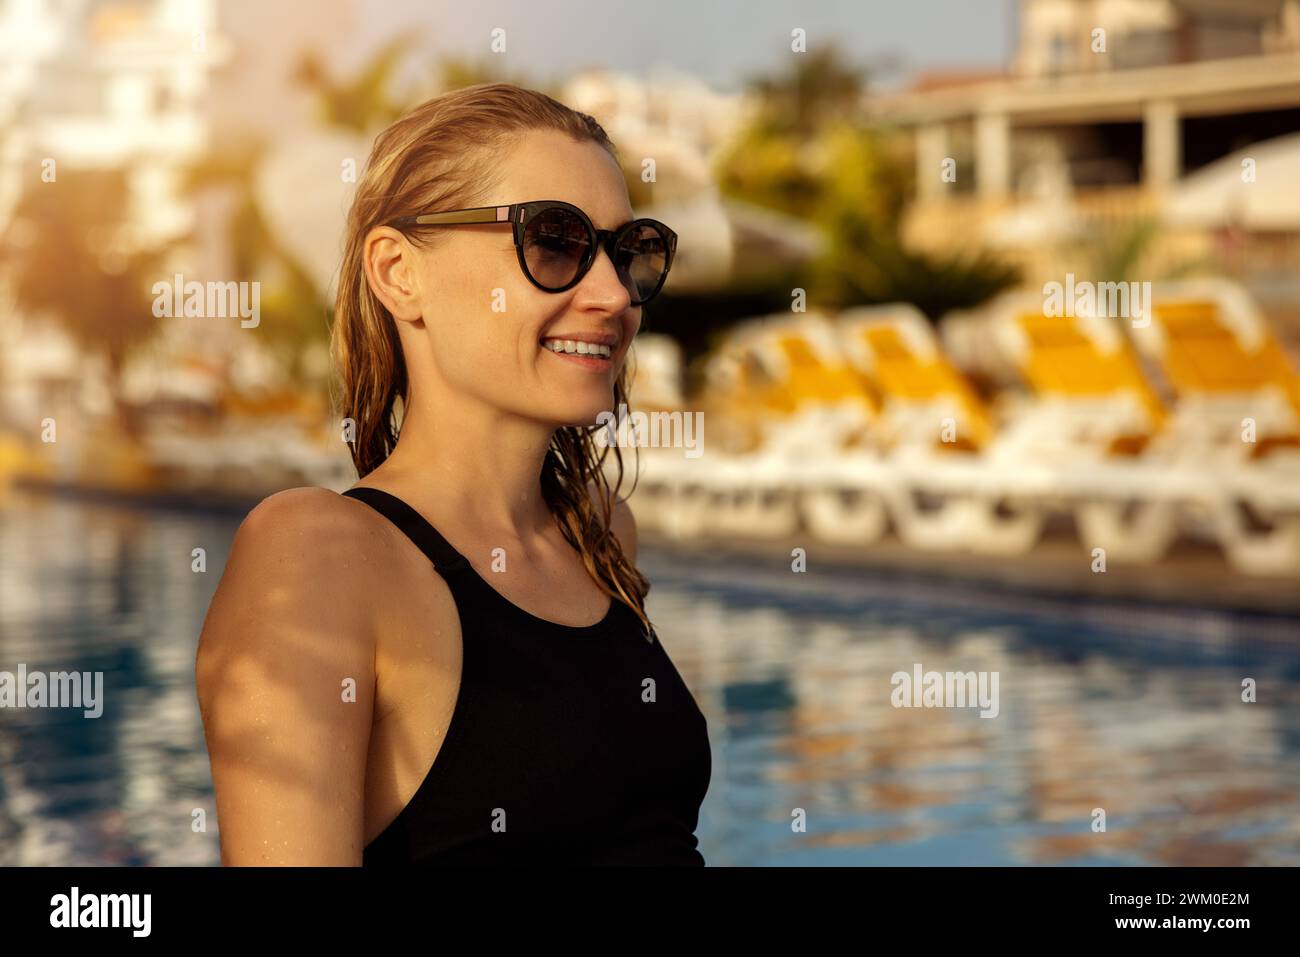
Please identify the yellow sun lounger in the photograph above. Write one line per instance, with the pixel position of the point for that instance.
(1237, 419)
(1238, 392)
(926, 400)
(786, 375)
(1092, 394)
(929, 412)
(1091, 420)
(778, 393)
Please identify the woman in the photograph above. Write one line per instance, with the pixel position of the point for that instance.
(451, 662)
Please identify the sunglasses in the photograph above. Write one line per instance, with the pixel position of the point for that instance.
(557, 244)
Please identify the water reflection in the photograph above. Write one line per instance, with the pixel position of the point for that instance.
(91, 588)
(1132, 709)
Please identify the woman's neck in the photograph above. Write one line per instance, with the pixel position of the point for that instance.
(479, 465)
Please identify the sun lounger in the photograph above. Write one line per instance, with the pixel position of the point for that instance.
(1237, 417)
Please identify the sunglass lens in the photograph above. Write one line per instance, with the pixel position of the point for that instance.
(556, 243)
(642, 261)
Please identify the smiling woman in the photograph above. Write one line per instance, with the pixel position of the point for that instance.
(452, 662)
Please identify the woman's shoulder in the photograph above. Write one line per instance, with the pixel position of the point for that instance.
(300, 556)
(316, 523)
(285, 678)
(309, 510)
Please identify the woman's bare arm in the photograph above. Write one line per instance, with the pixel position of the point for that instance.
(285, 674)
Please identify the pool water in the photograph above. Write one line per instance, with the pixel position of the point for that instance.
(1128, 709)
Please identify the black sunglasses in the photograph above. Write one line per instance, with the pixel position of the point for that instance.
(557, 244)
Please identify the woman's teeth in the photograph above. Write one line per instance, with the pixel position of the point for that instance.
(577, 347)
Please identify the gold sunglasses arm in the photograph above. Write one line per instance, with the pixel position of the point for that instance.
(458, 217)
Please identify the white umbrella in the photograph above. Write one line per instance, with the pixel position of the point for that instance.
(1261, 195)
(704, 241)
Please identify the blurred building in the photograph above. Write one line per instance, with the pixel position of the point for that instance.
(155, 89)
(109, 83)
(1108, 108)
(98, 84)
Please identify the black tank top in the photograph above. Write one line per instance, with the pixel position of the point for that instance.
(567, 745)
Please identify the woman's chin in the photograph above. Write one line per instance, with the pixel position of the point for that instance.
(587, 414)
(583, 409)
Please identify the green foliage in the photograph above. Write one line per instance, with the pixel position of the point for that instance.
(458, 72)
(70, 254)
(293, 313)
(879, 272)
(1117, 254)
(809, 154)
(807, 122)
(819, 89)
(769, 171)
(364, 101)
(1124, 253)
(367, 101)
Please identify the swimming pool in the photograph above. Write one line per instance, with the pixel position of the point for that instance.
(1129, 708)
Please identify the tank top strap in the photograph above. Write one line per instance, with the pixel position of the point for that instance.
(414, 525)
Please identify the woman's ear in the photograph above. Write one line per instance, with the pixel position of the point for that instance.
(390, 265)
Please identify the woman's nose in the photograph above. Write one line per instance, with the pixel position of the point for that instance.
(609, 275)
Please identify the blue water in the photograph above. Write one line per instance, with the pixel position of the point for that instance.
(1129, 708)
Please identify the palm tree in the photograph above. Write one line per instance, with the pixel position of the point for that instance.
(811, 153)
(70, 256)
(293, 308)
(364, 101)
(820, 87)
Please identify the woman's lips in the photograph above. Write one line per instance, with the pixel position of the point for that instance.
(581, 344)
(597, 363)
(591, 351)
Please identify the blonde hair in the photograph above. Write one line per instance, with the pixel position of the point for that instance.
(438, 156)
